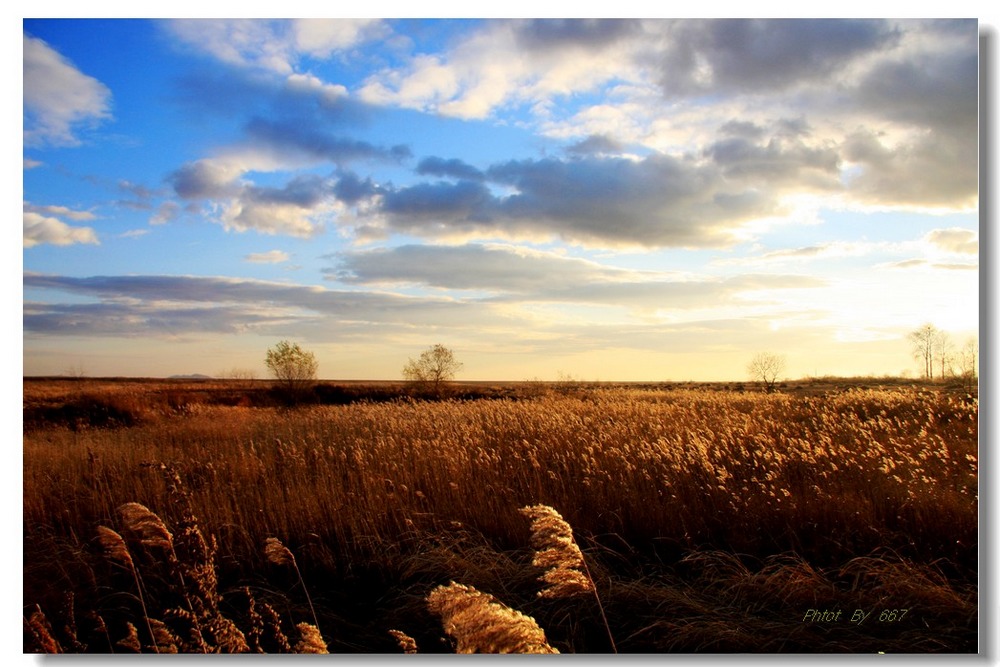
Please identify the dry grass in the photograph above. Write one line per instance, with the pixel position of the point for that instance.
(479, 623)
(383, 502)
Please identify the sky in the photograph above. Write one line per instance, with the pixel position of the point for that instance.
(615, 199)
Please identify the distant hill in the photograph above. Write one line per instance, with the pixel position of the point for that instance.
(194, 376)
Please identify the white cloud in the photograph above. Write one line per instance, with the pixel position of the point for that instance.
(955, 239)
(506, 62)
(61, 211)
(58, 98)
(269, 257)
(40, 229)
(273, 45)
(246, 42)
(321, 37)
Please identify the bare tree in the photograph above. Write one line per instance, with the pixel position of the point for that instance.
(766, 367)
(243, 377)
(291, 365)
(944, 351)
(968, 363)
(924, 341)
(435, 366)
(76, 371)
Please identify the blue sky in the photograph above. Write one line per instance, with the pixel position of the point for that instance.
(613, 200)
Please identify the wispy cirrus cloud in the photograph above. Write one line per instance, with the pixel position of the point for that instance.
(515, 274)
(144, 302)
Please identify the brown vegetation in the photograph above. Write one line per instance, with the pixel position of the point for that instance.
(705, 520)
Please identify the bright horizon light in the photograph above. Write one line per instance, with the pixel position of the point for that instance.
(617, 200)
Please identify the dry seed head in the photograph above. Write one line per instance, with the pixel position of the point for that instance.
(273, 635)
(479, 623)
(557, 552)
(228, 638)
(141, 520)
(130, 642)
(165, 640)
(407, 643)
(41, 631)
(278, 553)
(187, 628)
(254, 621)
(114, 546)
(312, 640)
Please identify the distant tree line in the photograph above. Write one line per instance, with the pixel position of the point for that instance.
(938, 356)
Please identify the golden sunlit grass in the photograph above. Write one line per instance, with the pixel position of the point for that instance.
(692, 520)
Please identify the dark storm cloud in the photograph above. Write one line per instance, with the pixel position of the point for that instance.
(776, 162)
(762, 55)
(454, 168)
(935, 96)
(936, 90)
(234, 92)
(929, 169)
(288, 124)
(658, 201)
(464, 201)
(742, 128)
(546, 34)
(303, 191)
(595, 144)
(202, 180)
(350, 189)
(294, 134)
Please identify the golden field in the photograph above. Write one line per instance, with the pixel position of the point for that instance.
(709, 518)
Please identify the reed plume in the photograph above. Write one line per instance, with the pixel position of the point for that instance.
(164, 637)
(273, 637)
(38, 628)
(555, 550)
(312, 640)
(279, 554)
(479, 623)
(566, 572)
(69, 629)
(130, 642)
(407, 643)
(116, 549)
(141, 520)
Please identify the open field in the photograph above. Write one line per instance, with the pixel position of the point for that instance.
(711, 517)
